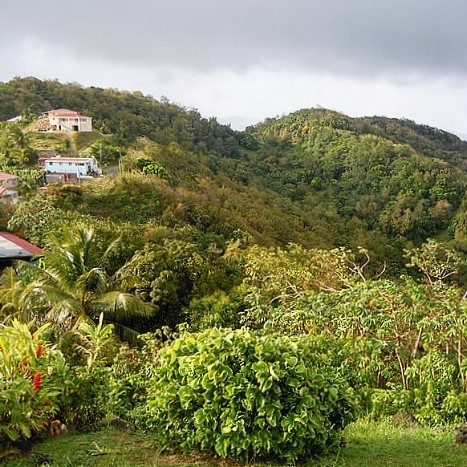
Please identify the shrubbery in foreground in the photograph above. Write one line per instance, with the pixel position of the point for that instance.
(31, 378)
(40, 390)
(246, 396)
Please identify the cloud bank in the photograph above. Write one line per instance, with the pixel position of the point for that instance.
(254, 58)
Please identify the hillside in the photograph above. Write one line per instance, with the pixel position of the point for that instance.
(358, 181)
(289, 279)
(315, 177)
(127, 115)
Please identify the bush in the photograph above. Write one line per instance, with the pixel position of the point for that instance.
(216, 310)
(126, 385)
(435, 395)
(85, 396)
(246, 396)
(31, 378)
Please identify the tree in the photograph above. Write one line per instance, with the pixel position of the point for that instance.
(15, 146)
(72, 284)
(436, 261)
(11, 294)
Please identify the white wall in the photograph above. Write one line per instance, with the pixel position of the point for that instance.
(67, 123)
(68, 167)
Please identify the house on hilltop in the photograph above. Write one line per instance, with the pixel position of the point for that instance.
(68, 120)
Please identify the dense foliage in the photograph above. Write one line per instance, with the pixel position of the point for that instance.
(247, 396)
(126, 114)
(307, 255)
(42, 389)
(314, 177)
(31, 381)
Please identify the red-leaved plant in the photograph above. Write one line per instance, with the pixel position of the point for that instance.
(31, 379)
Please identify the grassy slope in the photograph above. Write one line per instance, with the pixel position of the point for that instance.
(368, 444)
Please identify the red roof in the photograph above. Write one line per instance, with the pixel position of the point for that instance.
(21, 243)
(65, 113)
(5, 176)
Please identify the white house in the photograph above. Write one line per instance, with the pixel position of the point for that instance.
(79, 166)
(68, 120)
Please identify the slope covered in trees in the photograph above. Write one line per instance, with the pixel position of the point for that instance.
(314, 177)
(125, 114)
(305, 238)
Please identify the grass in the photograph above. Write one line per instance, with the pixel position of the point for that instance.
(380, 444)
(367, 444)
(82, 140)
(105, 448)
(50, 141)
(43, 141)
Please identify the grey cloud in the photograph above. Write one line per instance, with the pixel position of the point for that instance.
(342, 36)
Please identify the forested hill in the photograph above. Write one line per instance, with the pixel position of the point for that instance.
(430, 141)
(126, 114)
(314, 177)
(360, 180)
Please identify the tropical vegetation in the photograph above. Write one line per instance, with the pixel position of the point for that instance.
(248, 294)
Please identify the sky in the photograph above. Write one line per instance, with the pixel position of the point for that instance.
(245, 60)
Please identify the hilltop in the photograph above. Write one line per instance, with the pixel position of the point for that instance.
(314, 177)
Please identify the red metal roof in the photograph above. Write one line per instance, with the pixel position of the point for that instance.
(21, 243)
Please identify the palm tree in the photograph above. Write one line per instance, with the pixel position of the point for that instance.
(19, 144)
(72, 284)
(11, 296)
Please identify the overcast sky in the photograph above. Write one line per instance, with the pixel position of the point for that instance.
(253, 58)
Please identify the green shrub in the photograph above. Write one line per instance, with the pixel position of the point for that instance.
(216, 310)
(435, 394)
(84, 401)
(126, 386)
(246, 396)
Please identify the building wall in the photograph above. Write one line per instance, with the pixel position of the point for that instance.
(9, 197)
(68, 167)
(9, 182)
(60, 178)
(81, 124)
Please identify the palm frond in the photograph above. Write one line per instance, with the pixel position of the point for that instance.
(120, 306)
(94, 282)
(112, 250)
(67, 313)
